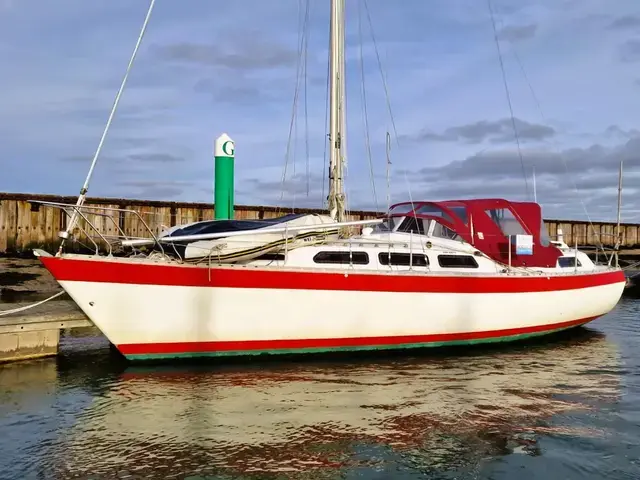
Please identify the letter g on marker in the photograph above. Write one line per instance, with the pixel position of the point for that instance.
(229, 148)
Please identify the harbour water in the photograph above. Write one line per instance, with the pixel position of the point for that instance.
(568, 408)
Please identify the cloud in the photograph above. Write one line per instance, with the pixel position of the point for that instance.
(487, 174)
(630, 51)
(625, 22)
(200, 73)
(302, 191)
(565, 181)
(616, 131)
(297, 190)
(244, 55)
(132, 158)
(76, 159)
(495, 131)
(151, 189)
(157, 157)
(569, 177)
(234, 94)
(518, 33)
(505, 163)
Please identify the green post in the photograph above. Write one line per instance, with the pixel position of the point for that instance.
(223, 186)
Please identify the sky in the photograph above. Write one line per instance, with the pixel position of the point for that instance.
(207, 67)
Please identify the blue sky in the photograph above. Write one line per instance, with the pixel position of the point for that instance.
(206, 67)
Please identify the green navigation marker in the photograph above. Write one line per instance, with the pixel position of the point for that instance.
(223, 183)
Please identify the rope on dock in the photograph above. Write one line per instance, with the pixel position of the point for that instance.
(27, 307)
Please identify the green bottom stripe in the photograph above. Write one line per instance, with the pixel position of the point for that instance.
(295, 351)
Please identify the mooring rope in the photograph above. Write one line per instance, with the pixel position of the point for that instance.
(27, 307)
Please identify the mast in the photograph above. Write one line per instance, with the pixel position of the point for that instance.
(337, 114)
(618, 232)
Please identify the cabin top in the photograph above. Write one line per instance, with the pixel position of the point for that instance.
(492, 225)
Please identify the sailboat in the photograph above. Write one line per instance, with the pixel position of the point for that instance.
(426, 274)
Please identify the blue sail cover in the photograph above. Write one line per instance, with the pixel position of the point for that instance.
(219, 226)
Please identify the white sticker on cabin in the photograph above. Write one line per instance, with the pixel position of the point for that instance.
(524, 244)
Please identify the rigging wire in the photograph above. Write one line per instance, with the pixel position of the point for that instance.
(306, 110)
(302, 27)
(388, 151)
(295, 114)
(557, 148)
(384, 80)
(325, 159)
(85, 187)
(303, 73)
(388, 103)
(365, 119)
(508, 94)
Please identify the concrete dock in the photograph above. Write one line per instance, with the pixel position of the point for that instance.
(34, 332)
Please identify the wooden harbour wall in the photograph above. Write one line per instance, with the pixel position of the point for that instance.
(24, 225)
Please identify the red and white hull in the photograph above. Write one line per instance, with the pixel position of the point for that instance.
(154, 310)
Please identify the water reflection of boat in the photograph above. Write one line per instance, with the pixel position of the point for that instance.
(311, 416)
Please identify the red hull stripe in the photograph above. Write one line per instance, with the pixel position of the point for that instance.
(65, 269)
(329, 343)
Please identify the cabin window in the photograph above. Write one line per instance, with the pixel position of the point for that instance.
(508, 223)
(434, 211)
(439, 230)
(387, 225)
(412, 224)
(457, 261)
(271, 256)
(461, 213)
(565, 262)
(545, 241)
(402, 209)
(403, 259)
(343, 258)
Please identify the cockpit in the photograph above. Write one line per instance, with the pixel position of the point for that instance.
(496, 227)
(421, 219)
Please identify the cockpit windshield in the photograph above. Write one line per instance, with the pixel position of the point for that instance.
(387, 225)
(402, 209)
(413, 224)
(403, 220)
(433, 210)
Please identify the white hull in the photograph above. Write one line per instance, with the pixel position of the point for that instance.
(164, 321)
(167, 314)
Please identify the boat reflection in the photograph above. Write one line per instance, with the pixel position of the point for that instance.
(307, 417)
